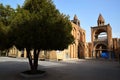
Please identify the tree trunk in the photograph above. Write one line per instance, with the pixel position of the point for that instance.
(33, 62)
(30, 59)
(36, 55)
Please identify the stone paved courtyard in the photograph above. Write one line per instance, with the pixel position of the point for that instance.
(10, 69)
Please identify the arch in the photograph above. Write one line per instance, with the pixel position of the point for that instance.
(100, 43)
(98, 31)
(81, 50)
(101, 50)
(100, 34)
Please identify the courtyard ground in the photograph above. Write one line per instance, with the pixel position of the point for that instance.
(10, 69)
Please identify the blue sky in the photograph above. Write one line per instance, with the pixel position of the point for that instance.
(87, 11)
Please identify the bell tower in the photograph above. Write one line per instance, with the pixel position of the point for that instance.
(101, 37)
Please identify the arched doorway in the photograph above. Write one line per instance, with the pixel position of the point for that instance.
(101, 51)
(80, 50)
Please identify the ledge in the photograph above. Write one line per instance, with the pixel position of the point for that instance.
(22, 74)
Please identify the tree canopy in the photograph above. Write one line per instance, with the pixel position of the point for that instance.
(36, 25)
(6, 15)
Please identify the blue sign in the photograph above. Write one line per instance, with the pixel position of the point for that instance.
(105, 55)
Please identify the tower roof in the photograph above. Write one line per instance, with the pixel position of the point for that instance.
(76, 20)
(100, 18)
(75, 17)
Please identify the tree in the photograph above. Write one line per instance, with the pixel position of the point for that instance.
(6, 15)
(40, 26)
(2, 36)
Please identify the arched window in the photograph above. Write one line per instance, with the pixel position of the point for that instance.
(102, 36)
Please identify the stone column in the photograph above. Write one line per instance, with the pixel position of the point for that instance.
(25, 53)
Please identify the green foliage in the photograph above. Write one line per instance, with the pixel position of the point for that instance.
(6, 13)
(39, 25)
(2, 34)
(19, 31)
